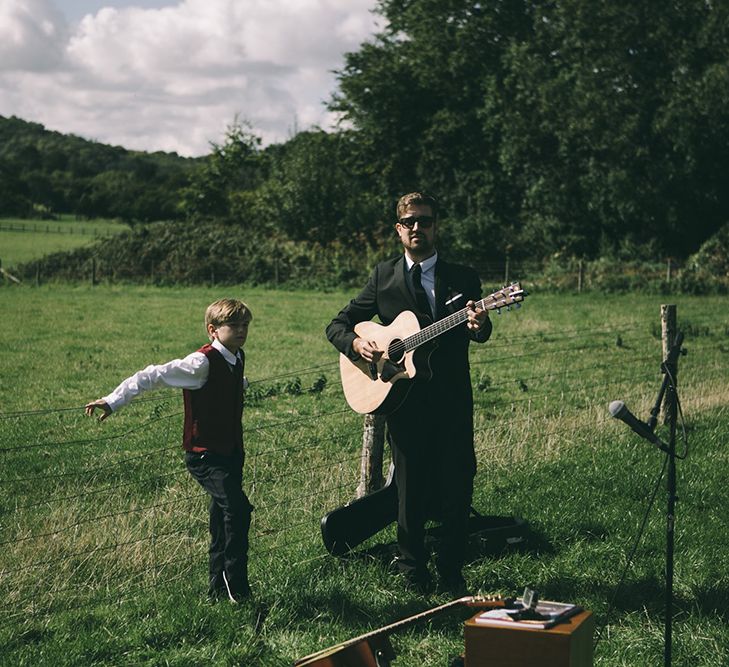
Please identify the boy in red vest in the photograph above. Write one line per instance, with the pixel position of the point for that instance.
(212, 383)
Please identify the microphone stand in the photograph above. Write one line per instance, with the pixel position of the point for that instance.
(669, 389)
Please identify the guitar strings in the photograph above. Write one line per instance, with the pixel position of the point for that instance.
(453, 320)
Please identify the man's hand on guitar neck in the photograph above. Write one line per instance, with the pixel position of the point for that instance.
(368, 350)
(476, 316)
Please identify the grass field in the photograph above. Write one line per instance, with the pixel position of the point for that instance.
(26, 240)
(104, 535)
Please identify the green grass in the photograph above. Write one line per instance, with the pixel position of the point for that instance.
(104, 535)
(26, 240)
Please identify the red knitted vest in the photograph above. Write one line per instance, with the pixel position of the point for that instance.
(213, 413)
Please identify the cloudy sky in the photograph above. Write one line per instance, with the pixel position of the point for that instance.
(171, 75)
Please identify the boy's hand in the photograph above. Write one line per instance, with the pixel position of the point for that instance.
(90, 407)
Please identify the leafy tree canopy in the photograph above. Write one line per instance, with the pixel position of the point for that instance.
(557, 126)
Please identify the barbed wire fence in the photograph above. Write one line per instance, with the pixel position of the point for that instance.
(108, 515)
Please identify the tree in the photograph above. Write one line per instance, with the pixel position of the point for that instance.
(417, 94)
(313, 191)
(231, 168)
(575, 127)
(591, 144)
(14, 199)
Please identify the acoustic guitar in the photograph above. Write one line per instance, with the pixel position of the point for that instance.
(380, 388)
(373, 649)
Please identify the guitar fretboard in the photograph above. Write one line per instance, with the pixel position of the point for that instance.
(490, 601)
(501, 299)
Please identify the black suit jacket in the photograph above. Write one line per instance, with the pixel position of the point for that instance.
(387, 294)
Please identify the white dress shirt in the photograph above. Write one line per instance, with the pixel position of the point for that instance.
(427, 277)
(188, 373)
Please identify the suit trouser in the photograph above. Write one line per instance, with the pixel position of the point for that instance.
(229, 518)
(431, 438)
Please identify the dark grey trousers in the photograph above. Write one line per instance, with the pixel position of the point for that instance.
(230, 519)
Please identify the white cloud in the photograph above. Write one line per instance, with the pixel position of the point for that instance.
(32, 35)
(173, 78)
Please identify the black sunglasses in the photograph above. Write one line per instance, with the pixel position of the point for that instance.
(424, 221)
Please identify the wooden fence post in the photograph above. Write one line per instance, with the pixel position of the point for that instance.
(580, 275)
(373, 441)
(506, 270)
(668, 335)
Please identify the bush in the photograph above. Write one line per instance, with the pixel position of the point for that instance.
(183, 253)
(707, 270)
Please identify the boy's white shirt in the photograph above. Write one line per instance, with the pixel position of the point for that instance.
(188, 373)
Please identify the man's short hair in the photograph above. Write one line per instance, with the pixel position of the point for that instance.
(418, 198)
(224, 311)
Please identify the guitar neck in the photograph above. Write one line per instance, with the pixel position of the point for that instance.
(312, 659)
(491, 302)
(398, 625)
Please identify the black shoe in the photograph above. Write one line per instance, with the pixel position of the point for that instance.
(419, 581)
(415, 578)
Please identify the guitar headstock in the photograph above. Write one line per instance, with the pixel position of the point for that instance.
(485, 601)
(511, 295)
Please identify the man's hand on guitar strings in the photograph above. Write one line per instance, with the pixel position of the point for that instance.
(368, 350)
(476, 316)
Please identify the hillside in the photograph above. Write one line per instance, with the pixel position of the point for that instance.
(44, 173)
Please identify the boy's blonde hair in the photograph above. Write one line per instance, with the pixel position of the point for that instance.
(224, 311)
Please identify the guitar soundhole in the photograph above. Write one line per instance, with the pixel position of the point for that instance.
(396, 351)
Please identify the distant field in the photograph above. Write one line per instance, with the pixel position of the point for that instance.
(103, 535)
(26, 240)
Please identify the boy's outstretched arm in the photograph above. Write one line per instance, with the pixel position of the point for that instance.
(102, 405)
(188, 373)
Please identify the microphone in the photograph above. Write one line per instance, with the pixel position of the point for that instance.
(619, 410)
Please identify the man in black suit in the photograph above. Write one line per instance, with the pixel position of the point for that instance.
(431, 433)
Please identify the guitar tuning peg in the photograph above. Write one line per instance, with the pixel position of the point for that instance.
(498, 311)
(517, 305)
(508, 307)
